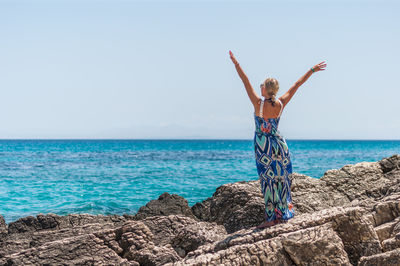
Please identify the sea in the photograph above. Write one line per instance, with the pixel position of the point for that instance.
(120, 176)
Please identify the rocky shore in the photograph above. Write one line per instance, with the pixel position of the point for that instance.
(351, 216)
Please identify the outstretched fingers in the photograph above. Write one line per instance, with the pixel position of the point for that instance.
(321, 66)
(232, 57)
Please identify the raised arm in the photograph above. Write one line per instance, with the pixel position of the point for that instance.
(254, 98)
(285, 98)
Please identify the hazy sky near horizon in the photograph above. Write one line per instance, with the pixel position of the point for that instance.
(161, 69)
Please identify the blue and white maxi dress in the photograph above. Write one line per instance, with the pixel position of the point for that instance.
(274, 167)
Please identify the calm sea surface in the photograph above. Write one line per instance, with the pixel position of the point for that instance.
(119, 176)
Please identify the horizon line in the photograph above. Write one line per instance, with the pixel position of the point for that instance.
(2, 139)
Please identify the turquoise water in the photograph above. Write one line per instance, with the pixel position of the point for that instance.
(119, 176)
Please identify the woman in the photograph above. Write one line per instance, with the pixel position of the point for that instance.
(272, 154)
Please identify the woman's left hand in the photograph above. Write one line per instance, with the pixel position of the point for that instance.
(319, 67)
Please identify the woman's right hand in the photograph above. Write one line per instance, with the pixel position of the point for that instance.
(233, 58)
(320, 66)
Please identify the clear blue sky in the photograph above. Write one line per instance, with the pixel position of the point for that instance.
(130, 69)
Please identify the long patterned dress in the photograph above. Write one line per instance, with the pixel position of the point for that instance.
(274, 167)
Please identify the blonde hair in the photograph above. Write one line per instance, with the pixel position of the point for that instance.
(271, 86)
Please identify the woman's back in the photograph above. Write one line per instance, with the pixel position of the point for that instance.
(268, 125)
(266, 110)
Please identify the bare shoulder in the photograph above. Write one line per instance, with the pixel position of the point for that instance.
(257, 104)
(282, 99)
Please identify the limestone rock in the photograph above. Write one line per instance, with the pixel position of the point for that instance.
(240, 205)
(183, 233)
(202, 209)
(384, 259)
(390, 164)
(82, 250)
(263, 252)
(391, 244)
(166, 204)
(153, 255)
(384, 231)
(396, 227)
(351, 216)
(136, 243)
(24, 236)
(53, 221)
(155, 240)
(3, 225)
(357, 234)
(236, 206)
(316, 245)
(279, 245)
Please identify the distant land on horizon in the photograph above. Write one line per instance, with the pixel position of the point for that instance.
(296, 139)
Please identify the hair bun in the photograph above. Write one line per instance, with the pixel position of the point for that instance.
(272, 99)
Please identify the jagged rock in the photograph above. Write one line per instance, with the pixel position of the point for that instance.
(183, 233)
(384, 212)
(153, 255)
(14, 242)
(135, 242)
(190, 238)
(83, 250)
(278, 245)
(384, 231)
(347, 232)
(53, 221)
(253, 235)
(364, 181)
(264, 252)
(391, 243)
(235, 205)
(384, 259)
(396, 227)
(166, 204)
(349, 216)
(3, 225)
(391, 163)
(152, 241)
(316, 245)
(135, 235)
(240, 205)
(311, 194)
(202, 209)
(361, 181)
(357, 234)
